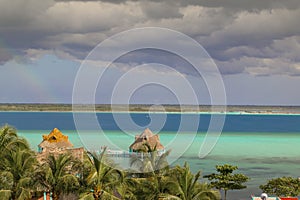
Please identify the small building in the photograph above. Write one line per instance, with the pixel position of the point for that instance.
(54, 141)
(146, 138)
(57, 143)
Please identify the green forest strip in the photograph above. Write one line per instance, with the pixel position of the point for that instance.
(147, 108)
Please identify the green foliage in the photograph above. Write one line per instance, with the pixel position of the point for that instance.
(16, 166)
(5, 194)
(103, 177)
(284, 186)
(178, 183)
(97, 177)
(150, 163)
(6, 180)
(189, 187)
(104, 196)
(57, 174)
(155, 187)
(9, 140)
(128, 187)
(226, 180)
(158, 181)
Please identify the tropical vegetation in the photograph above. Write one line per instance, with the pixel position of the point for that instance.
(103, 178)
(226, 180)
(188, 186)
(57, 174)
(283, 186)
(16, 166)
(24, 175)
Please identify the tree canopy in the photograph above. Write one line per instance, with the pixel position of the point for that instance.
(283, 186)
(226, 180)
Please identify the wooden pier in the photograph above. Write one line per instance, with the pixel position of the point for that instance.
(127, 154)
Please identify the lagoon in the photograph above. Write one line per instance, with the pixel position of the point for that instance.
(263, 146)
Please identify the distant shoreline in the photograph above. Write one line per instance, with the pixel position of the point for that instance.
(204, 109)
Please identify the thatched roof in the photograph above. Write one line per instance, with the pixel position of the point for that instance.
(147, 137)
(55, 140)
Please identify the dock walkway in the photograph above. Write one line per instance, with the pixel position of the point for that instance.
(127, 154)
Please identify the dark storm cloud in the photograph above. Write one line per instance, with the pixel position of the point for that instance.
(232, 4)
(240, 35)
(251, 5)
(145, 56)
(110, 1)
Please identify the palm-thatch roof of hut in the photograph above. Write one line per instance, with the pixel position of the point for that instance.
(146, 138)
(55, 140)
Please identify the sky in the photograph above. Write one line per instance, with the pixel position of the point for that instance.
(254, 45)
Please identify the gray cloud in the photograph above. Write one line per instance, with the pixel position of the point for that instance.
(249, 5)
(160, 10)
(20, 14)
(240, 35)
(5, 55)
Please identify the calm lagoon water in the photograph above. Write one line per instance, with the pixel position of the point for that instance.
(263, 146)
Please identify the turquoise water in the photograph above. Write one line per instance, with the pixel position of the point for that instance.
(261, 156)
(263, 146)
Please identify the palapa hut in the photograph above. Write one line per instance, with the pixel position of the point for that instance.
(146, 138)
(58, 143)
(55, 141)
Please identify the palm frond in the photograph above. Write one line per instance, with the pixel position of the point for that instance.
(103, 176)
(23, 193)
(5, 194)
(6, 180)
(86, 196)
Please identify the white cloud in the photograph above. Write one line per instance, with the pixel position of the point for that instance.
(36, 54)
(86, 17)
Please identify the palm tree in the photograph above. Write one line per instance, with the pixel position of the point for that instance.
(153, 182)
(103, 177)
(57, 174)
(127, 187)
(10, 140)
(156, 187)
(16, 168)
(189, 187)
(151, 162)
(85, 166)
(16, 165)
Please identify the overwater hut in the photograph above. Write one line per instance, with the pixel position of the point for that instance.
(57, 143)
(144, 139)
